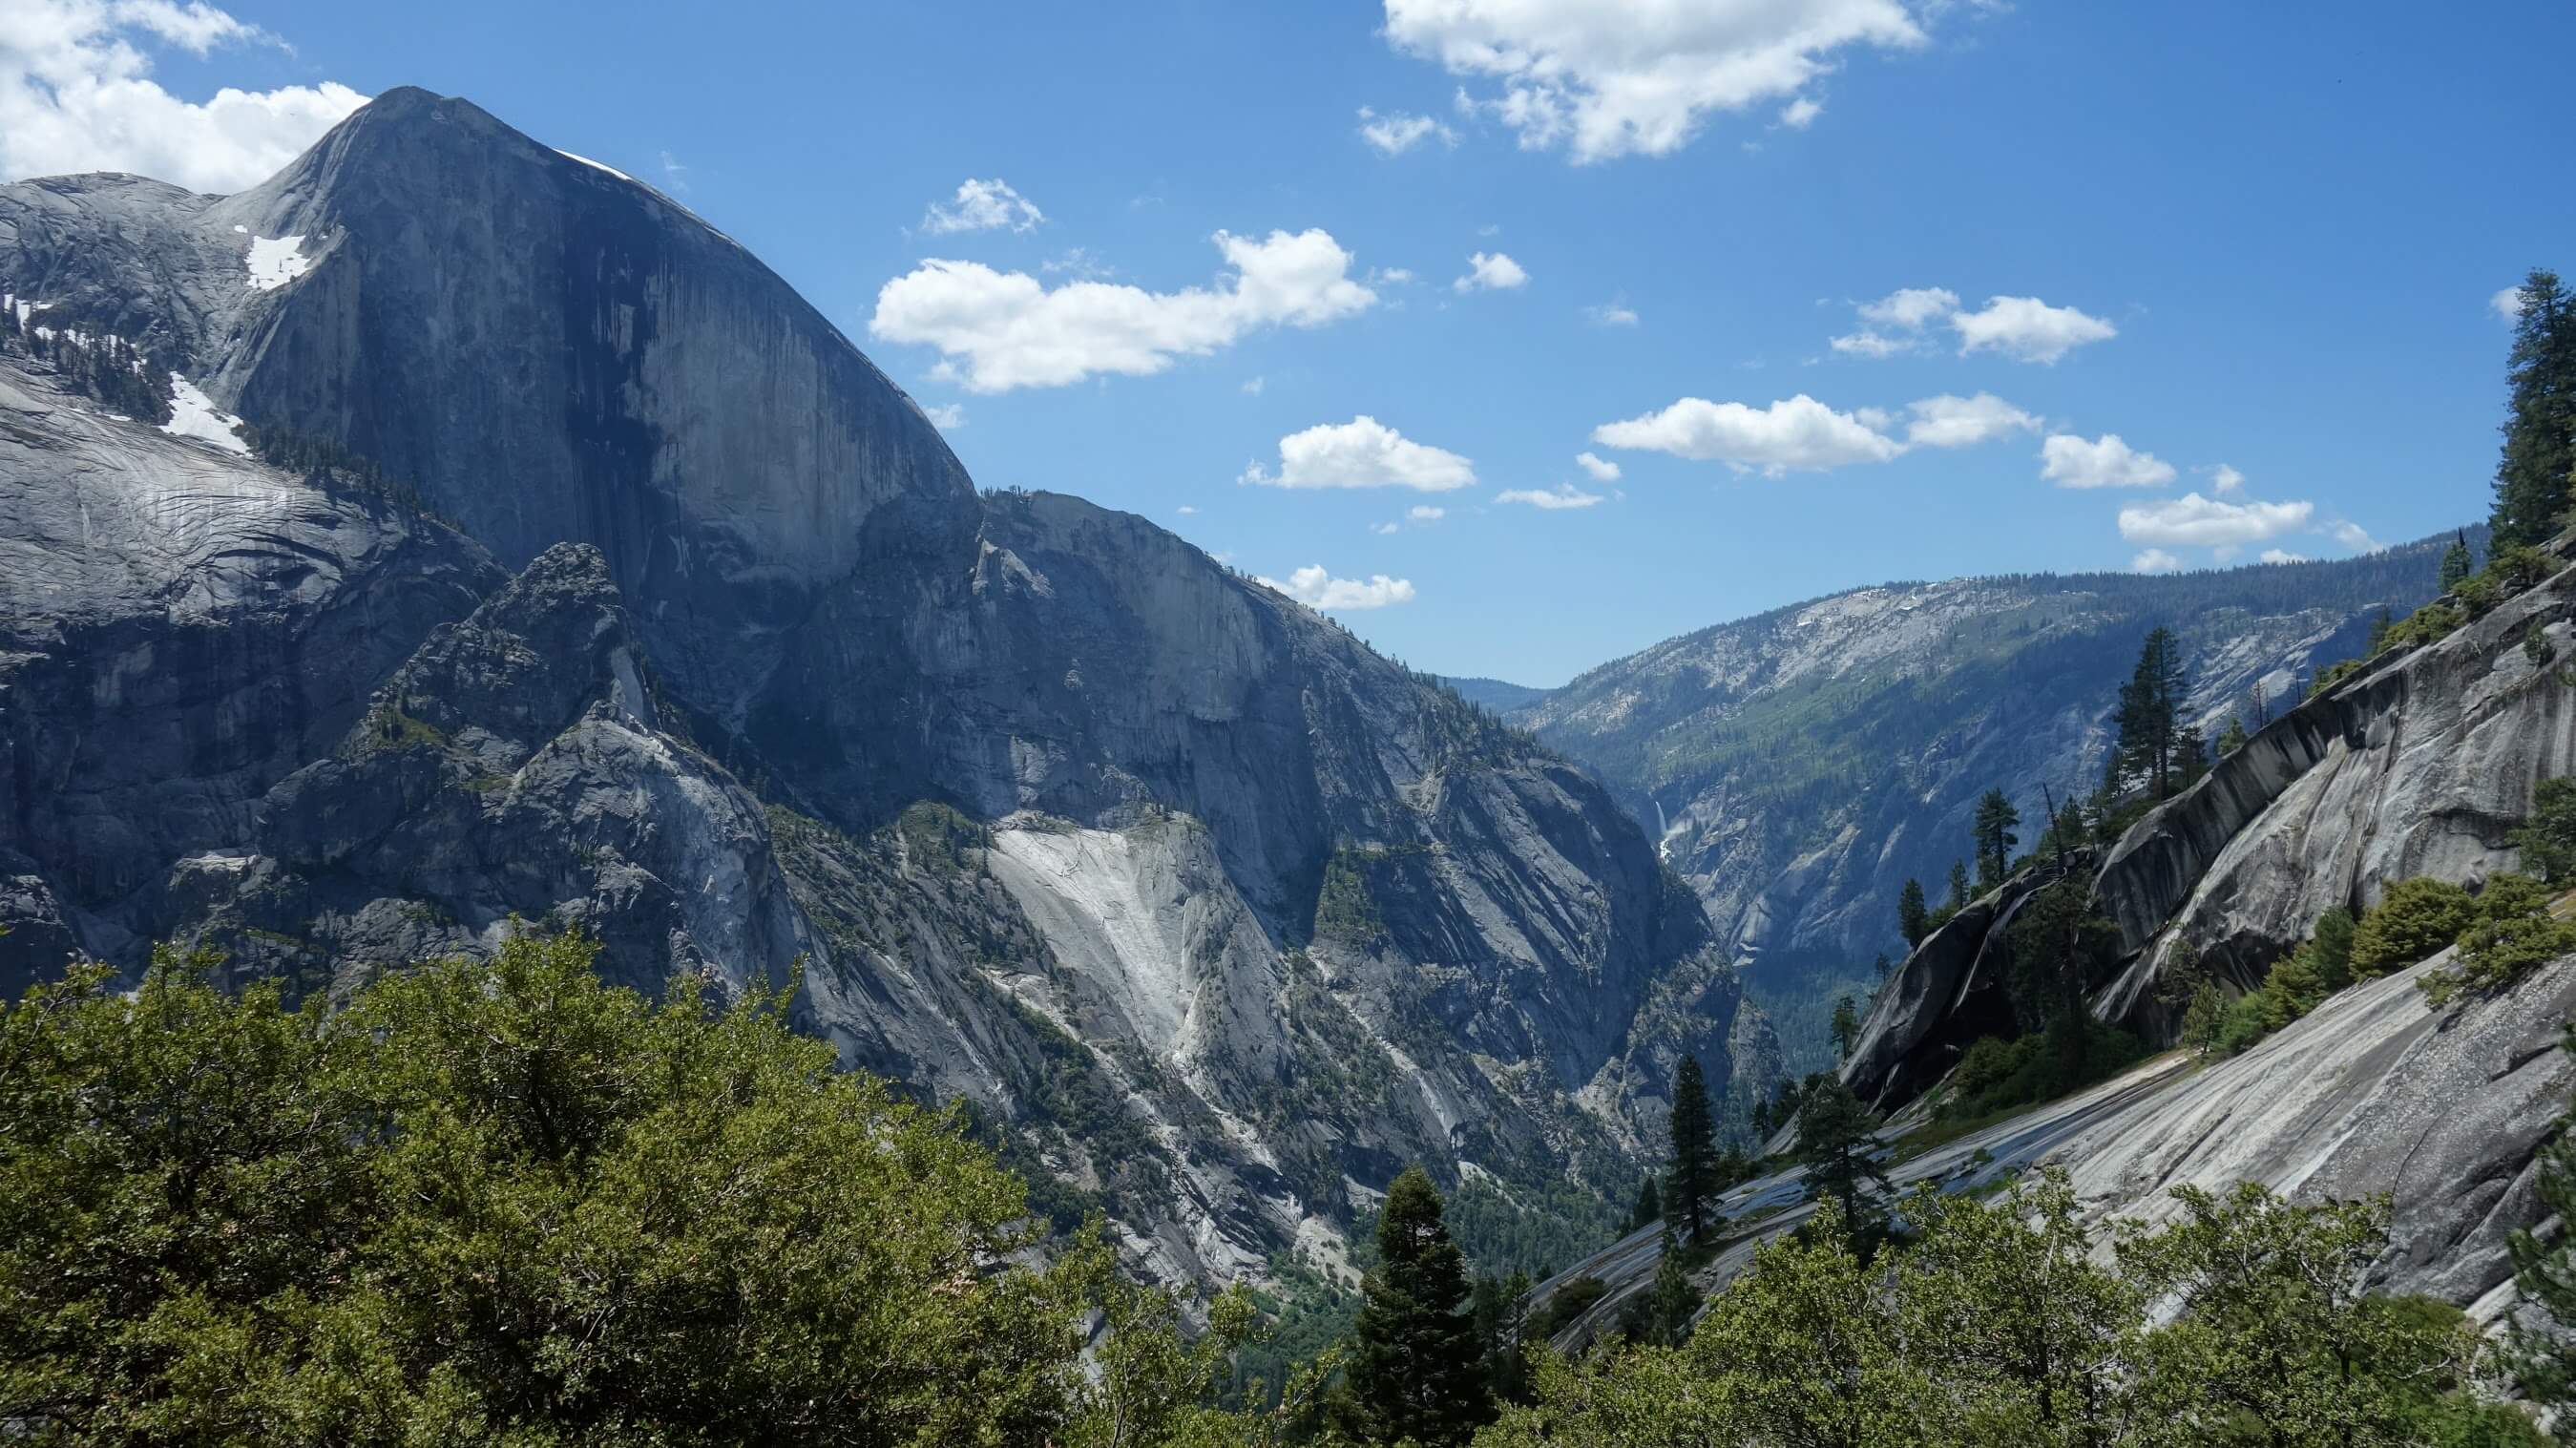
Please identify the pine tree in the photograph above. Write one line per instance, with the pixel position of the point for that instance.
(1995, 839)
(2191, 761)
(2149, 714)
(1835, 1144)
(2457, 563)
(2231, 738)
(2540, 426)
(1414, 1368)
(1650, 1205)
(1694, 1176)
(1676, 1301)
(1913, 921)
(1958, 885)
(1846, 1027)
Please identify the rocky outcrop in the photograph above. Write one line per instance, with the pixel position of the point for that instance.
(1952, 989)
(1801, 765)
(689, 631)
(2375, 1091)
(2421, 764)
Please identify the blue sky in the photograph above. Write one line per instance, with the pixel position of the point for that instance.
(2263, 238)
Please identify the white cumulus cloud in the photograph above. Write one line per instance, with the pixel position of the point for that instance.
(1491, 272)
(1603, 81)
(2224, 479)
(1599, 469)
(2106, 462)
(1896, 321)
(1797, 434)
(2194, 521)
(1001, 330)
(77, 94)
(947, 417)
(1361, 453)
(982, 206)
(1910, 307)
(1397, 132)
(1948, 421)
(1611, 314)
(2507, 304)
(1563, 495)
(1801, 113)
(1425, 513)
(2281, 555)
(2351, 535)
(2027, 329)
(1316, 587)
(2155, 560)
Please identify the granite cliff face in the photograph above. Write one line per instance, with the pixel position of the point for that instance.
(2421, 764)
(1801, 765)
(662, 613)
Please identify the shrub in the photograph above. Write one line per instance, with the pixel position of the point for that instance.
(2415, 920)
(2330, 949)
(1568, 1303)
(2548, 839)
(2514, 935)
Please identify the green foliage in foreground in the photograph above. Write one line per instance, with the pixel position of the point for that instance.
(501, 1202)
(1994, 1326)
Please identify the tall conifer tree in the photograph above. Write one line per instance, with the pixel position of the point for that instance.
(1415, 1362)
(1694, 1178)
(2532, 476)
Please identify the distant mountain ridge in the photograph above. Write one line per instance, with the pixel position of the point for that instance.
(1798, 766)
(1499, 695)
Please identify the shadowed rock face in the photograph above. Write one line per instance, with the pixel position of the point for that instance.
(699, 638)
(2420, 765)
(1951, 990)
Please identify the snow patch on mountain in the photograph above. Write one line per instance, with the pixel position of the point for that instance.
(194, 416)
(275, 260)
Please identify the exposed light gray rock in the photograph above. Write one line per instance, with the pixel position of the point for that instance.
(2419, 765)
(2373, 1092)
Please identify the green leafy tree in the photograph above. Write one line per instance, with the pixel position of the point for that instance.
(2531, 485)
(502, 1201)
(1415, 1368)
(2414, 919)
(2036, 1330)
(1993, 829)
(2232, 737)
(2457, 563)
(1694, 1140)
(1797, 1351)
(2276, 1341)
(2547, 840)
(1958, 897)
(1913, 919)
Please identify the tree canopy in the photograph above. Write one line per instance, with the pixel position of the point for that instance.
(500, 1201)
